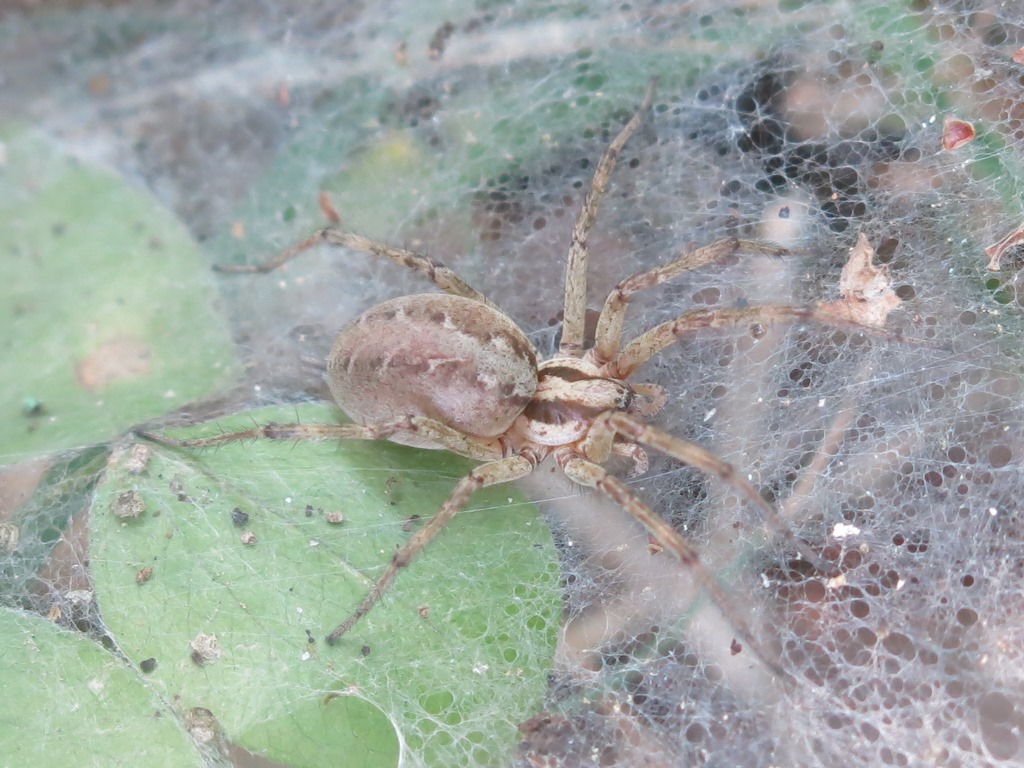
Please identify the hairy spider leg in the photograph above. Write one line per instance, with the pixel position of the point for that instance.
(591, 475)
(470, 446)
(493, 473)
(440, 275)
(575, 303)
(651, 342)
(609, 324)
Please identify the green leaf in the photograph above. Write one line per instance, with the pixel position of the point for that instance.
(66, 701)
(106, 302)
(450, 661)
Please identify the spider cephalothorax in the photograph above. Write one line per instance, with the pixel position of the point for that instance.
(570, 394)
(451, 371)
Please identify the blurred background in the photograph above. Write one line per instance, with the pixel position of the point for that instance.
(142, 142)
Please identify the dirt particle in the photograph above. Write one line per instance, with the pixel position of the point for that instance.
(204, 649)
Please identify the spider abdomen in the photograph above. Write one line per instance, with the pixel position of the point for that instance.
(452, 359)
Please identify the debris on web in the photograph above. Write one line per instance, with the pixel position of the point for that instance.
(866, 294)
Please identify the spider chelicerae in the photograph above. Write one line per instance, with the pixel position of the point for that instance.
(451, 371)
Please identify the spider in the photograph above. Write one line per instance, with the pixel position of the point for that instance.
(451, 371)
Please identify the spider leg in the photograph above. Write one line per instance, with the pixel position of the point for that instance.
(609, 324)
(575, 304)
(479, 448)
(440, 275)
(651, 342)
(589, 474)
(493, 473)
(702, 459)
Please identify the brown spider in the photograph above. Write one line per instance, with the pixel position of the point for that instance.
(451, 371)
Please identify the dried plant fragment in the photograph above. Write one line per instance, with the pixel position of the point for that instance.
(138, 459)
(9, 536)
(327, 208)
(128, 505)
(866, 294)
(956, 133)
(997, 250)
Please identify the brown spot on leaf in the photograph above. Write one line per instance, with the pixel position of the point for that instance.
(121, 359)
